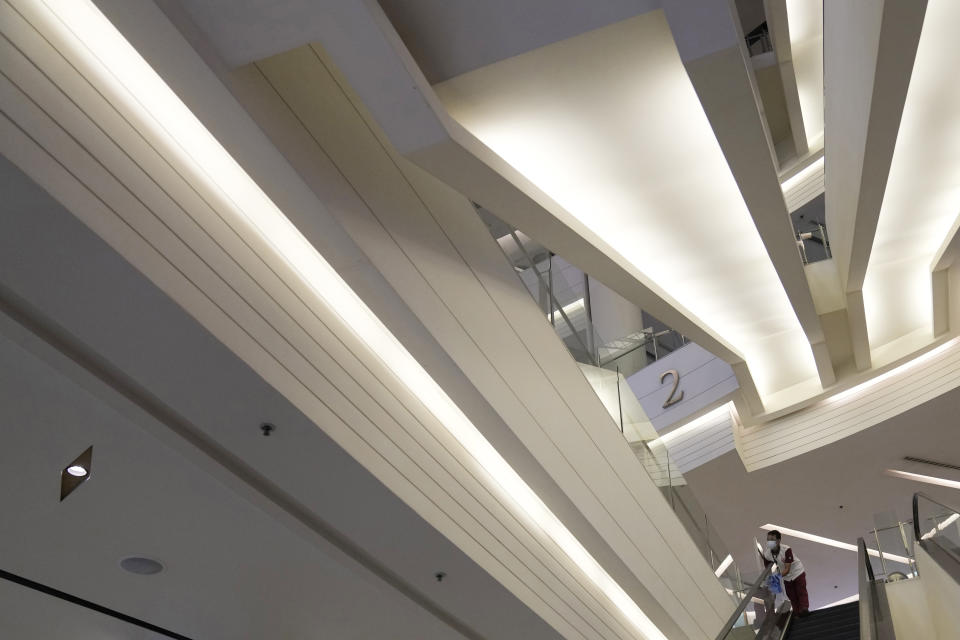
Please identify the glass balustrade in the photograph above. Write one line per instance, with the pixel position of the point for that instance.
(937, 523)
(563, 295)
(759, 615)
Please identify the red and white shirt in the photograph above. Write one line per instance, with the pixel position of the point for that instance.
(784, 556)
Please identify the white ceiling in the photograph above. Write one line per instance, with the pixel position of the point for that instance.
(31, 615)
(494, 52)
(55, 267)
(510, 97)
(231, 570)
(595, 122)
(447, 37)
(317, 395)
(450, 37)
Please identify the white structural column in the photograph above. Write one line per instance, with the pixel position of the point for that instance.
(870, 49)
(710, 42)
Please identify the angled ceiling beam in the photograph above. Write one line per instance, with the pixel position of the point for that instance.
(776, 12)
(716, 60)
(796, 28)
(391, 86)
(918, 216)
(871, 48)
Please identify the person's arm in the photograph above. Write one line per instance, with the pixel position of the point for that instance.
(787, 561)
(766, 563)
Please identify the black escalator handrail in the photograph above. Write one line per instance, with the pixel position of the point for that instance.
(866, 554)
(917, 534)
(759, 584)
(876, 622)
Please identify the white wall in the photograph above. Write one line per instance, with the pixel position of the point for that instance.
(942, 596)
(908, 608)
(704, 380)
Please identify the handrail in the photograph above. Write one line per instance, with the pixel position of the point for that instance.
(865, 559)
(786, 624)
(760, 583)
(874, 607)
(918, 536)
(865, 582)
(945, 555)
(553, 299)
(652, 339)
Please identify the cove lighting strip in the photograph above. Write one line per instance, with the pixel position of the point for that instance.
(917, 477)
(814, 167)
(723, 565)
(830, 542)
(805, 25)
(576, 305)
(707, 418)
(145, 90)
(886, 375)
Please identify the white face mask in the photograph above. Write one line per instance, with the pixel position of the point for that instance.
(771, 544)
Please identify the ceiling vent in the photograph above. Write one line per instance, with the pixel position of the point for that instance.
(933, 463)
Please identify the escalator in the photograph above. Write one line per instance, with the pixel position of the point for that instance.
(841, 622)
(757, 618)
(922, 605)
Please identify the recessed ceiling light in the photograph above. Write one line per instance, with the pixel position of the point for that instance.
(76, 473)
(141, 566)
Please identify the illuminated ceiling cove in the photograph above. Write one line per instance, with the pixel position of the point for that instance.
(102, 56)
(608, 125)
(922, 198)
(805, 21)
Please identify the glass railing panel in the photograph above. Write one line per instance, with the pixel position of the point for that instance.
(665, 474)
(891, 552)
(728, 573)
(937, 522)
(562, 292)
(756, 616)
(813, 243)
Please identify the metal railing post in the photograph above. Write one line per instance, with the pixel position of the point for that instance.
(883, 563)
(592, 350)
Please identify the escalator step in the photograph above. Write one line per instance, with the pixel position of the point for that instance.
(837, 623)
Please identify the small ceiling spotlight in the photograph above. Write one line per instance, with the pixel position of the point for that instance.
(76, 473)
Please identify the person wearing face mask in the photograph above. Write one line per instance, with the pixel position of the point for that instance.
(794, 577)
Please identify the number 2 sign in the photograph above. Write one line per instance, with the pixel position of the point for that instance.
(671, 400)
